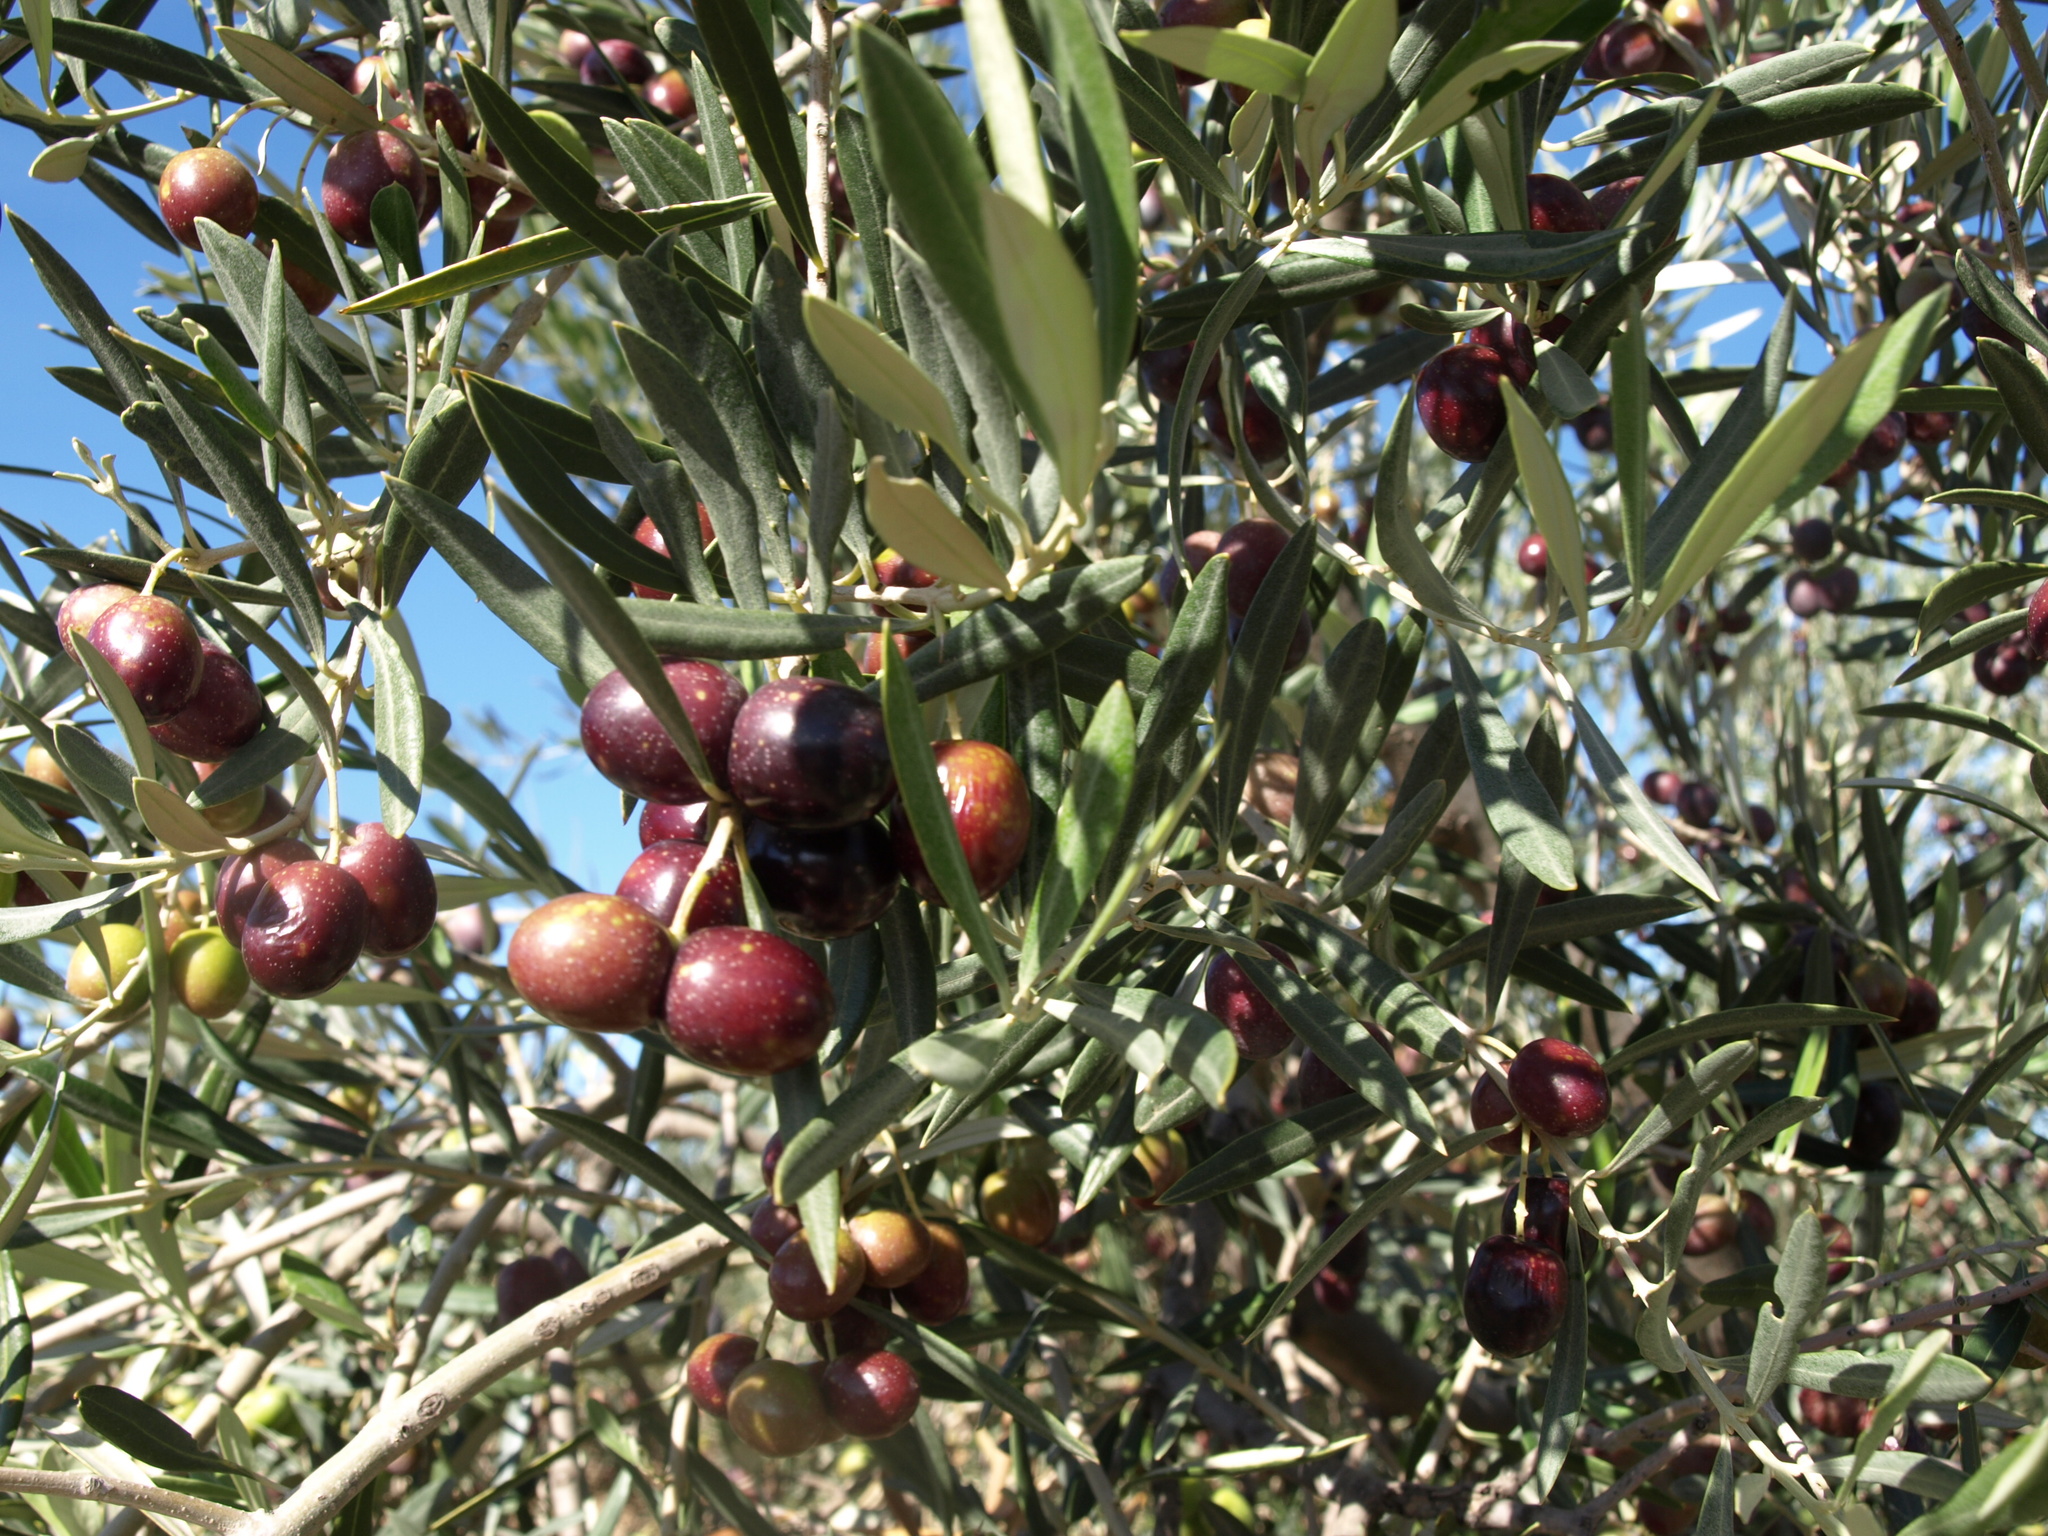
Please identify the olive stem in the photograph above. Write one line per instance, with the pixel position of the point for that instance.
(143, 1496)
(714, 855)
(1984, 129)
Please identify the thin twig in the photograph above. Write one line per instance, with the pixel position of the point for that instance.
(107, 1490)
(526, 317)
(1984, 128)
(818, 141)
(2014, 26)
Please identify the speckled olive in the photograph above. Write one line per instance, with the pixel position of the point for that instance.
(896, 1245)
(824, 885)
(206, 184)
(81, 607)
(525, 1284)
(712, 1367)
(305, 930)
(1514, 1296)
(797, 1286)
(1254, 1023)
(775, 1407)
(594, 962)
(627, 745)
(243, 876)
(1491, 1107)
(207, 973)
(991, 809)
(1315, 1083)
(224, 715)
(1021, 1203)
(126, 952)
(358, 168)
(812, 754)
(153, 647)
(657, 879)
(675, 823)
(745, 1002)
(1458, 399)
(939, 1293)
(394, 876)
(871, 1396)
(1559, 1088)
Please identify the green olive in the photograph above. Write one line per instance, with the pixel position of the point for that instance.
(85, 980)
(207, 973)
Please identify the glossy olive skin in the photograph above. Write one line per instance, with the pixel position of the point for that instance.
(206, 184)
(1021, 1203)
(358, 168)
(851, 1331)
(1813, 540)
(872, 1395)
(824, 885)
(1612, 200)
(1514, 1296)
(1254, 1023)
(207, 973)
(712, 1367)
(153, 647)
(897, 1246)
(675, 823)
(991, 809)
(629, 60)
(127, 953)
(797, 1287)
(627, 745)
(1879, 1121)
(242, 878)
(1547, 1212)
(939, 1293)
(594, 962)
(775, 1407)
(83, 605)
(812, 754)
(773, 1225)
(394, 876)
(1661, 785)
(1560, 208)
(669, 94)
(1533, 557)
(745, 1002)
(310, 290)
(1698, 803)
(525, 1284)
(1921, 1013)
(1559, 1088)
(305, 930)
(656, 880)
(1458, 399)
(648, 536)
(1253, 544)
(1491, 1107)
(1315, 1083)
(224, 715)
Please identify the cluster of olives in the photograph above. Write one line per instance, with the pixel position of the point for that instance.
(1698, 803)
(804, 765)
(1516, 1284)
(283, 918)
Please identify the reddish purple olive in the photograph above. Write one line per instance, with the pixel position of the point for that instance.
(1558, 207)
(1534, 557)
(1921, 1012)
(1595, 429)
(358, 168)
(1662, 786)
(1491, 1107)
(1881, 447)
(772, 1225)
(206, 184)
(991, 811)
(627, 745)
(1165, 373)
(852, 1331)
(2036, 629)
(305, 930)
(674, 823)
(775, 1407)
(310, 290)
(744, 1002)
(1813, 540)
(153, 647)
(1265, 435)
(939, 1292)
(1509, 336)
(1315, 1083)
(1879, 1121)
(1253, 545)
(1832, 1413)
(1458, 398)
(897, 1246)
(223, 716)
(1698, 803)
(1929, 427)
(1839, 589)
(712, 1368)
(1879, 985)
(613, 60)
(1714, 1226)
(1021, 1203)
(812, 754)
(1804, 594)
(824, 885)
(1763, 826)
(442, 109)
(1559, 1088)
(571, 1268)
(657, 879)
(1547, 1212)
(338, 67)
(669, 94)
(648, 536)
(771, 1159)
(401, 891)
(1631, 48)
(871, 1396)
(525, 1284)
(1609, 203)
(242, 878)
(592, 962)
(1254, 1023)
(82, 606)
(797, 1286)
(1734, 621)
(1514, 1296)
(2003, 669)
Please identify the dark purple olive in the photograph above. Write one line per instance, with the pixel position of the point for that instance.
(1315, 1083)
(824, 885)
(627, 745)
(1813, 540)
(305, 930)
(206, 184)
(1698, 803)
(674, 823)
(153, 647)
(811, 753)
(1254, 1023)
(1458, 399)
(656, 880)
(747, 1003)
(1559, 1088)
(592, 962)
(400, 888)
(358, 168)
(242, 878)
(1878, 1124)
(1514, 1296)
(223, 716)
